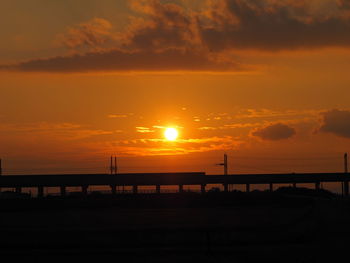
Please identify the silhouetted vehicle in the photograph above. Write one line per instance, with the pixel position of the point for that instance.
(96, 193)
(14, 195)
(302, 191)
(214, 190)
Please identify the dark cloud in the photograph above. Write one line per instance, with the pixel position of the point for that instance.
(118, 60)
(276, 25)
(166, 26)
(92, 34)
(168, 36)
(277, 131)
(336, 122)
(345, 4)
(162, 39)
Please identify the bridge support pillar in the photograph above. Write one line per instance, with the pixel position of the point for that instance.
(158, 189)
(346, 188)
(84, 189)
(63, 191)
(225, 187)
(203, 188)
(317, 185)
(134, 189)
(113, 189)
(40, 191)
(181, 188)
(271, 187)
(18, 190)
(247, 188)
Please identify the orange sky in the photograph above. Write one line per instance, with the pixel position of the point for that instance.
(266, 82)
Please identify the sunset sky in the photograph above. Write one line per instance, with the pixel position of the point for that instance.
(265, 81)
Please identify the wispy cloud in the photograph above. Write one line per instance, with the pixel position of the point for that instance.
(144, 130)
(145, 147)
(57, 131)
(116, 116)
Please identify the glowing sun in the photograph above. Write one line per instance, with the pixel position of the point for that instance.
(171, 134)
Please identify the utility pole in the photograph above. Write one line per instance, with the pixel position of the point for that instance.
(346, 163)
(111, 165)
(0, 166)
(0, 170)
(346, 182)
(224, 164)
(115, 165)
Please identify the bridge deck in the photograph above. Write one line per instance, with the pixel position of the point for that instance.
(144, 179)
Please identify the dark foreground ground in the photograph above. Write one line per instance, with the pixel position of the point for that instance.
(289, 225)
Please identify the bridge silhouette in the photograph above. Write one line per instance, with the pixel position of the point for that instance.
(135, 180)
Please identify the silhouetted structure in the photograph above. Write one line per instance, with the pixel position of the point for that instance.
(346, 182)
(113, 166)
(161, 179)
(224, 164)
